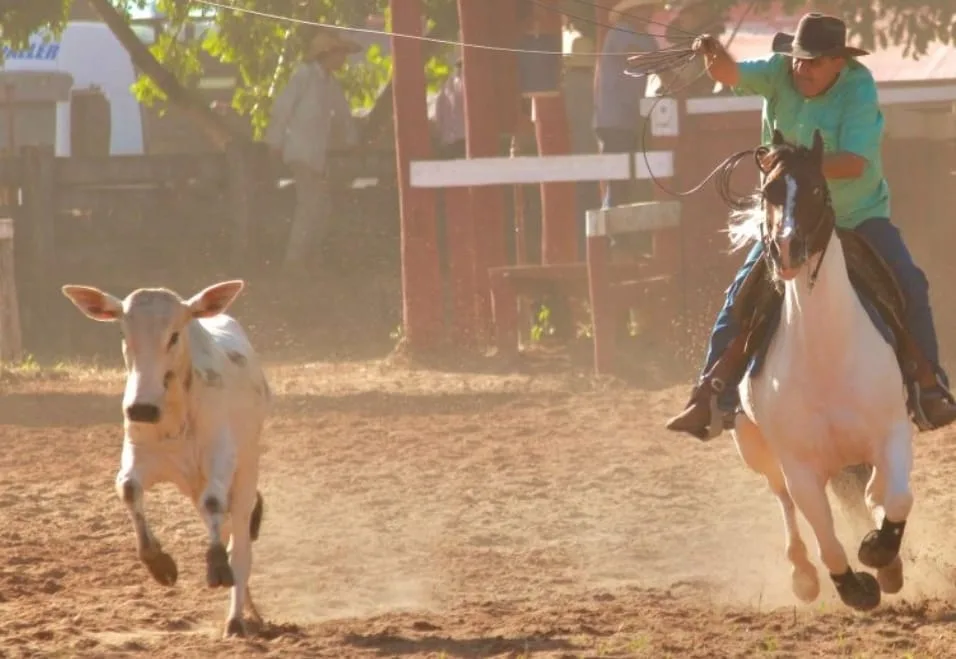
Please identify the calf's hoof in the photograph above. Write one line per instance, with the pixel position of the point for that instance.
(891, 578)
(880, 547)
(858, 590)
(235, 628)
(218, 571)
(162, 566)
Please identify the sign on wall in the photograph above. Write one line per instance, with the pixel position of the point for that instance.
(37, 51)
(664, 118)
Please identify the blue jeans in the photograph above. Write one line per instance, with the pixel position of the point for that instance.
(885, 239)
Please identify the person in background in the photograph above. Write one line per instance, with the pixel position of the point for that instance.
(450, 114)
(617, 96)
(448, 137)
(310, 116)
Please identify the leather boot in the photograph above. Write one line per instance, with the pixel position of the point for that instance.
(931, 404)
(702, 418)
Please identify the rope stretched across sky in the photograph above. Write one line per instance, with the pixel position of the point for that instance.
(447, 42)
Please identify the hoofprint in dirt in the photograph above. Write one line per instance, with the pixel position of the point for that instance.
(415, 513)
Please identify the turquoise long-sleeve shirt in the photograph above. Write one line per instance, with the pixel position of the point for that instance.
(848, 117)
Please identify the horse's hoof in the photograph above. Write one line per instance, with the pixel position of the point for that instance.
(235, 628)
(874, 551)
(163, 568)
(891, 578)
(859, 590)
(805, 584)
(218, 571)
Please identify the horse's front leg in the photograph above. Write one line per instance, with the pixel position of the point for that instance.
(753, 449)
(889, 489)
(135, 475)
(858, 590)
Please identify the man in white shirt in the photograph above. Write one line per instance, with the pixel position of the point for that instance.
(450, 114)
(308, 116)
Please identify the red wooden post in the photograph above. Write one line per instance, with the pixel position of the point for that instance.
(460, 237)
(602, 18)
(504, 299)
(505, 64)
(558, 200)
(421, 278)
(481, 138)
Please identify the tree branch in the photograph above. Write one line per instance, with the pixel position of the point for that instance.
(188, 101)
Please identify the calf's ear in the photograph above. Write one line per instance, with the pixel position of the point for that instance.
(215, 299)
(94, 303)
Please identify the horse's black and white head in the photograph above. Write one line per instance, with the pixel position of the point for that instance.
(796, 203)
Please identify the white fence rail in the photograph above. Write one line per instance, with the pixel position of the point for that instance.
(468, 172)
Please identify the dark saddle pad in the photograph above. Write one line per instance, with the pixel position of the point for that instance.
(758, 303)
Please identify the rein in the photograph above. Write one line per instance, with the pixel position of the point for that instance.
(721, 174)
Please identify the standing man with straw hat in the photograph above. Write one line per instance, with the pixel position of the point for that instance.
(307, 117)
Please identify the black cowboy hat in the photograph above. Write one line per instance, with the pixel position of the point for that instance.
(818, 35)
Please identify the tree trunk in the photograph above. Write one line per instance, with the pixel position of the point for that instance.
(215, 127)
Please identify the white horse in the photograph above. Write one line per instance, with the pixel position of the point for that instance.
(830, 393)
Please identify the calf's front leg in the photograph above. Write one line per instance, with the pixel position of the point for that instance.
(223, 487)
(220, 467)
(131, 482)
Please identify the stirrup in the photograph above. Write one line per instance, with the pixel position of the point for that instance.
(716, 425)
(915, 403)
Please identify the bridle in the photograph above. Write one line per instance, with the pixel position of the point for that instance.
(821, 233)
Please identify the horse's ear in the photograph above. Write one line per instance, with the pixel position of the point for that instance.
(817, 149)
(777, 137)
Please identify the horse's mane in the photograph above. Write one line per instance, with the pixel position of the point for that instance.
(745, 225)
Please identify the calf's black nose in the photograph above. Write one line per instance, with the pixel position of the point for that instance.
(142, 413)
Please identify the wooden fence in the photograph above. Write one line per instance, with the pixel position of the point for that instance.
(124, 221)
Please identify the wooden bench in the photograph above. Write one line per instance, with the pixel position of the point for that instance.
(652, 284)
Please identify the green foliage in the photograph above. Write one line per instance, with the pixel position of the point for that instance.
(542, 327)
(21, 18)
(265, 51)
(362, 82)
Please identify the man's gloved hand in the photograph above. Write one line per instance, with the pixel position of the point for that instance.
(708, 45)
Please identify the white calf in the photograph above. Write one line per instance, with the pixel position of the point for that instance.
(194, 406)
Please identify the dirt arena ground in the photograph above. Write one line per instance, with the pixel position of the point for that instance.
(415, 513)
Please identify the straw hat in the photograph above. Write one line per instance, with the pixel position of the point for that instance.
(817, 35)
(326, 41)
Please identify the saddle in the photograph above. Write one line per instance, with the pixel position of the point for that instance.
(758, 300)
